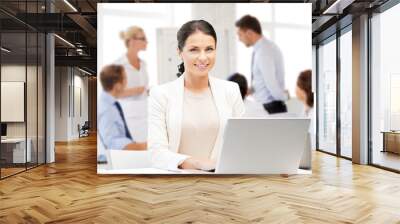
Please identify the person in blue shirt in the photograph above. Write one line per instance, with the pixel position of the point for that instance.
(267, 66)
(113, 130)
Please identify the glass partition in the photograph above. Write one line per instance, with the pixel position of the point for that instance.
(385, 89)
(41, 91)
(22, 77)
(327, 97)
(13, 94)
(31, 98)
(346, 94)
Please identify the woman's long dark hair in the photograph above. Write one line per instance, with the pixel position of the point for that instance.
(304, 82)
(188, 29)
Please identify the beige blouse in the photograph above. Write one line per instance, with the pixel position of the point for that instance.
(200, 124)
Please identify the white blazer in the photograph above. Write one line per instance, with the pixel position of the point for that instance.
(165, 119)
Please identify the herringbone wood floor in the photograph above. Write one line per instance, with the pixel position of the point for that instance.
(70, 191)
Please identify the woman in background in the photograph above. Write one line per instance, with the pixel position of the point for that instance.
(135, 41)
(252, 107)
(134, 98)
(304, 94)
(187, 116)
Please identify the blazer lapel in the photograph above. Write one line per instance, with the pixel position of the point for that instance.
(220, 103)
(176, 110)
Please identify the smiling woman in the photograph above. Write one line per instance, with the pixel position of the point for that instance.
(187, 116)
(197, 42)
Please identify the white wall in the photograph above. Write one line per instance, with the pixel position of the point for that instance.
(16, 73)
(314, 70)
(222, 17)
(13, 89)
(33, 126)
(79, 117)
(68, 83)
(288, 25)
(61, 103)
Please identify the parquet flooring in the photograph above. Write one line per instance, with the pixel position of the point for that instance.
(9, 171)
(70, 191)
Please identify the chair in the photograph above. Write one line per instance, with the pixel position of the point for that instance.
(84, 130)
(295, 106)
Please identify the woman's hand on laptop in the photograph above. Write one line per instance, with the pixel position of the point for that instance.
(188, 164)
(206, 164)
(198, 164)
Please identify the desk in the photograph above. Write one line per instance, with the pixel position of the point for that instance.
(138, 162)
(160, 171)
(16, 147)
(149, 170)
(391, 141)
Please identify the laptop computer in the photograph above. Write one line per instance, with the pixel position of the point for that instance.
(263, 145)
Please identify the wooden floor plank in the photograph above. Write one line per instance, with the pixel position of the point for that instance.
(70, 191)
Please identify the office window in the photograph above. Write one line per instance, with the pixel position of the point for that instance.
(327, 96)
(394, 102)
(346, 94)
(385, 87)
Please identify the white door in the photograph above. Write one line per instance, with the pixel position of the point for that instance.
(167, 56)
